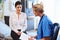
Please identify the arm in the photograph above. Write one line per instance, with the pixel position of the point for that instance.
(46, 30)
(11, 24)
(25, 24)
(46, 38)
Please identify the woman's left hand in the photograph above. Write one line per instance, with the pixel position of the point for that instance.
(19, 33)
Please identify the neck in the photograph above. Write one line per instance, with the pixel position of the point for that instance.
(18, 12)
(41, 14)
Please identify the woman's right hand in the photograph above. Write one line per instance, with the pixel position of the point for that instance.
(30, 39)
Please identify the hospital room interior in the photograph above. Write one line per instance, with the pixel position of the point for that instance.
(51, 9)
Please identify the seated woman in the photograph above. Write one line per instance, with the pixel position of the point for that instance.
(18, 21)
(45, 26)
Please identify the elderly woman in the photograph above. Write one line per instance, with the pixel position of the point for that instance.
(18, 21)
(45, 27)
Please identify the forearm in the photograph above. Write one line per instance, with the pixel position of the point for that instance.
(24, 25)
(24, 28)
(46, 38)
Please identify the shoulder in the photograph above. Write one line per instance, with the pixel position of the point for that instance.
(24, 14)
(45, 17)
(12, 14)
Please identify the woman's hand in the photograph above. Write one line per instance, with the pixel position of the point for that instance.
(19, 33)
(31, 38)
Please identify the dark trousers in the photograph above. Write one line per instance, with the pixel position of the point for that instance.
(14, 35)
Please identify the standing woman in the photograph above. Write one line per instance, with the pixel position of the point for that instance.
(18, 21)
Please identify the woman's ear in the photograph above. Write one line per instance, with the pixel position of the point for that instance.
(40, 10)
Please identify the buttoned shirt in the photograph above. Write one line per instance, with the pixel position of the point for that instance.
(16, 23)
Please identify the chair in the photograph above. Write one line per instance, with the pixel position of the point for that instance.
(6, 18)
(56, 30)
(58, 37)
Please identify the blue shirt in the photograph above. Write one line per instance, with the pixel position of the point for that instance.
(45, 28)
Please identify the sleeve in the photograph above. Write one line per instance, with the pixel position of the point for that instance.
(45, 28)
(25, 24)
(11, 24)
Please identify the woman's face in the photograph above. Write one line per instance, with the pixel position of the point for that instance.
(35, 12)
(19, 8)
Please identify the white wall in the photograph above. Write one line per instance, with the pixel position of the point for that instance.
(49, 9)
(57, 11)
(9, 6)
(6, 8)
